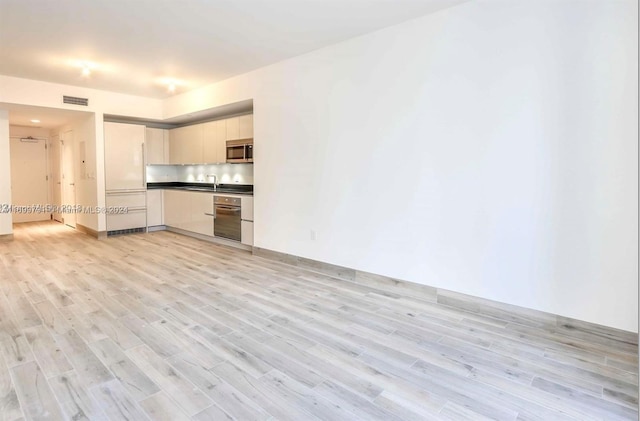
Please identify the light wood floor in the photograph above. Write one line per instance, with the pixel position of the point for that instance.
(167, 327)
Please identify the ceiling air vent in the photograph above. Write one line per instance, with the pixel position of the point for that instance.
(74, 100)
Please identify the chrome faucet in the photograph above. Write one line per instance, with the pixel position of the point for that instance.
(215, 181)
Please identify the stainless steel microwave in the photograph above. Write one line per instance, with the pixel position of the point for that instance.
(239, 151)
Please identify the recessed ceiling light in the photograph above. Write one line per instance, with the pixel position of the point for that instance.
(86, 67)
(172, 84)
(89, 67)
(35, 120)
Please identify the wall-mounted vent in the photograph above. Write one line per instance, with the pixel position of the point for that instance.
(74, 100)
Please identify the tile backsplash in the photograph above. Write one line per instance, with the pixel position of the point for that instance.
(226, 173)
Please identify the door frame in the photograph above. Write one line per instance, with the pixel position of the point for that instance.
(55, 160)
(67, 152)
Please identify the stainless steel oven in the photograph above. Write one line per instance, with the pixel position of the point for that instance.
(227, 216)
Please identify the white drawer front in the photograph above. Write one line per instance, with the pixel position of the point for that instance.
(247, 208)
(123, 221)
(247, 233)
(129, 200)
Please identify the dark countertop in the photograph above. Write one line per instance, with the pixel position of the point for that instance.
(241, 189)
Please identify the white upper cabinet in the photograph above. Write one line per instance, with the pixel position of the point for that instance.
(176, 145)
(240, 127)
(124, 156)
(206, 143)
(185, 144)
(233, 128)
(214, 146)
(245, 126)
(157, 146)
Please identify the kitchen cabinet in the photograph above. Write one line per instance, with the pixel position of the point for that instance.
(246, 233)
(240, 127)
(193, 212)
(247, 208)
(245, 126)
(232, 128)
(203, 143)
(215, 143)
(186, 145)
(135, 204)
(157, 146)
(154, 208)
(125, 175)
(124, 156)
(190, 211)
(176, 208)
(200, 213)
(246, 224)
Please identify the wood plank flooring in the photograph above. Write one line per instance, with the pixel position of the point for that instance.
(165, 327)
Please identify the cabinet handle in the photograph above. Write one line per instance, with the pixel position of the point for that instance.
(144, 168)
(210, 214)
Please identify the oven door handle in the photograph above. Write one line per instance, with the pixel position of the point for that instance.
(231, 208)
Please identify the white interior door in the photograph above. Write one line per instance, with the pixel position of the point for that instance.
(55, 159)
(68, 179)
(29, 185)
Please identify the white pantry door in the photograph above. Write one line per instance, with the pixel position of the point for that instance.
(68, 179)
(29, 185)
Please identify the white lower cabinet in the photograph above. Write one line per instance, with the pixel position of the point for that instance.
(134, 218)
(190, 211)
(201, 213)
(176, 208)
(193, 212)
(133, 206)
(154, 208)
(247, 233)
(247, 221)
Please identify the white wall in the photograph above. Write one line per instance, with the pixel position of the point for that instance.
(5, 174)
(489, 149)
(25, 131)
(15, 90)
(45, 94)
(87, 182)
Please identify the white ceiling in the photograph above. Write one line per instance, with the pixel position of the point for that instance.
(136, 43)
(50, 118)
